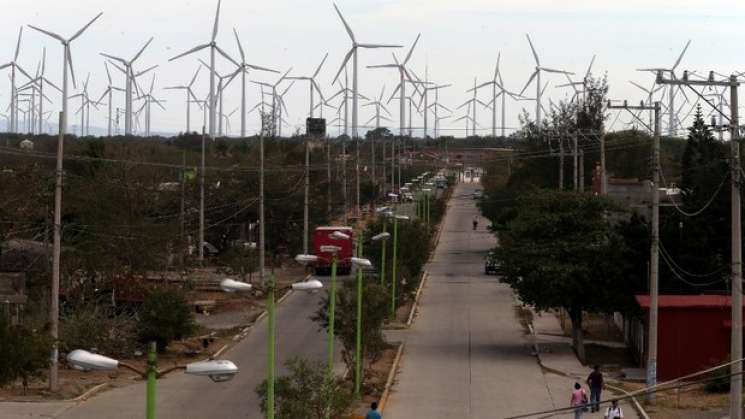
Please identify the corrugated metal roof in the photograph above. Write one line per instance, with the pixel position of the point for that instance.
(687, 301)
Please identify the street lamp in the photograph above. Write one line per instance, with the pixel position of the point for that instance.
(217, 370)
(393, 263)
(384, 236)
(232, 286)
(426, 212)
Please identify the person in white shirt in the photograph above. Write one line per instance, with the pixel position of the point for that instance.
(614, 411)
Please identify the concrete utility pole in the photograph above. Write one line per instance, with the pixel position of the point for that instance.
(575, 156)
(201, 200)
(654, 255)
(262, 227)
(56, 253)
(603, 177)
(307, 193)
(582, 170)
(736, 267)
(561, 163)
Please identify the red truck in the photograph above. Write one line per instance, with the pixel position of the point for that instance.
(321, 238)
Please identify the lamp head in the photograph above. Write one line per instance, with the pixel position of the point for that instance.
(231, 285)
(85, 360)
(338, 235)
(219, 371)
(306, 259)
(381, 236)
(365, 263)
(311, 285)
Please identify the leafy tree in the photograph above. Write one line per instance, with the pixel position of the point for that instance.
(305, 391)
(24, 353)
(165, 316)
(560, 251)
(241, 260)
(374, 310)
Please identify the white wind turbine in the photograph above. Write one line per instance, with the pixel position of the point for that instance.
(212, 45)
(149, 99)
(221, 86)
(401, 88)
(497, 83)
(313, 85)
(671, 89)
(472, 105)
(355, 89)
(273, 88)
(244, 67)
(13, 90)
(435, 109)
(39, 81)
(130, 80)
(378, 106)
(537, 76)
(66, 61)
(110, 92)
(189, 95)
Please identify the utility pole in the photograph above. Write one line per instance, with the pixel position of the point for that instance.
(736, 267)
(262, 226)
(56, 252)
(603, 177)
(581, 170)
(655, 244)
(307, 193)
(561, 163)
(201, 201)
(575, 156)
(328, 176)
(182, 213)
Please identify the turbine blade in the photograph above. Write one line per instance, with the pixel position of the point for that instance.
(346, 25)
(256, 67)
(639, 86)
(379, 46)
(80, 32)
(318, 70)
(24, 72)
(141, 50)
(240, 47)
(146, 71)
(383, 66)
(72, 71)
(681, 55)
(217, 21)
(111, 57)
(51, 84)
(227, 57)
(46, 32)
(530, 80)
(395, 91)
(193, 79)
(535, 54)
(195, 49)
(496, 69)
(18, 45)
(318, 89)
(343, 64)
(108, 74)
(118, 68)
(589, 68)
(411, 51)
(551, 70)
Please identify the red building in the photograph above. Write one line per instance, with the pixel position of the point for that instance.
(693, 333)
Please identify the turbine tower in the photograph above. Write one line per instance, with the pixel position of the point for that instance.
(13, 90)
(497, 83)
(66, 62)
(537, 76)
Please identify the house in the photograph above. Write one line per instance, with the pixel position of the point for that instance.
(693, 333)
(634, 194)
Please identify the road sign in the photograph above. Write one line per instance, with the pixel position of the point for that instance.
(330, 249)
(315, 127)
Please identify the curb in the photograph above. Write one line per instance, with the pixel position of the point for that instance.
(414, 306)
(89, 393)
(391, 375)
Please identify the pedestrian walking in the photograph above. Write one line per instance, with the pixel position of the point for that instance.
(475, 222)
(578, 401)
(595, 382)
(614, 411)
(373, 412)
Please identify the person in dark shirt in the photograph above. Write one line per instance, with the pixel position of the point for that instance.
(595, 382)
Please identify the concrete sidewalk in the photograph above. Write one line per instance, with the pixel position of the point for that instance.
(562, 368)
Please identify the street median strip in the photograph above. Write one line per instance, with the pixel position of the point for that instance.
(391, 377)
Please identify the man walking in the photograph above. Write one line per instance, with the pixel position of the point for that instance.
(595, 382)
(373, 412)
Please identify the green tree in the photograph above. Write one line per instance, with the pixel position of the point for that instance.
(560, 251)
(374, 310)
(165, 316)
(304, 392)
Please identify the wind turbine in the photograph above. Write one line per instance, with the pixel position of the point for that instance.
(313, 85)
(671, 91)
(244, 70)
(497, 83)
(537, 76)
(472, 105)
(274, 98)
(427, 105)
(130, 80)
(212, 45)
(110, 92)
(149, 99)
(66, 61)
(353, 54)
(221, 86)
(13, 91)
(189, 95)
(650, 93)
(436, 105)
(401, 88)
(378, 106)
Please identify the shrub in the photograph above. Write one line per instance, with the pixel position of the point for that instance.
(305, 391)
(93, 327)
(24, 353)
(165, 316)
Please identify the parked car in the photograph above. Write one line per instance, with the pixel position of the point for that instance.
(492, 265)
(477, 194)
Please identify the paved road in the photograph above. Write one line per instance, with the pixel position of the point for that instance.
(181, 396)
(466, 355)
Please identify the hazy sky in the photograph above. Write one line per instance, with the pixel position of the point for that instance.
(460, 41)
